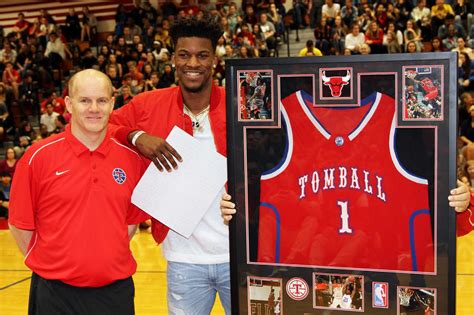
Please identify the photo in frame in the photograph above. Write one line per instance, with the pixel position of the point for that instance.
(343, 183)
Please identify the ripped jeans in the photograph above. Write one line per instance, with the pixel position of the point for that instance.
(192, 288)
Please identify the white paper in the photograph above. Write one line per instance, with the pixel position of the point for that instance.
(180, 198)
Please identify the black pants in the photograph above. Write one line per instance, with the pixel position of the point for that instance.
(55, 297)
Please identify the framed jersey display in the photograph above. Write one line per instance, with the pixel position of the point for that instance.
(340, 168)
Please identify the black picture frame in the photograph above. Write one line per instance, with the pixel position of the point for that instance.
(423, 90)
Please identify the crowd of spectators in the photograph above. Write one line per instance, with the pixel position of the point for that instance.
(38, 55)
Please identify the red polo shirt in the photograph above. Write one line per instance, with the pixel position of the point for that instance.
(78, 204)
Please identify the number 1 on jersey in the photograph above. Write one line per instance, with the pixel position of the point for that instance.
(344, 217)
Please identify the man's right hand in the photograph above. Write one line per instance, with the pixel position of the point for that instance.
(159, 151)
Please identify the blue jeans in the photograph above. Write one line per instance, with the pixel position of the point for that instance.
(192, 288)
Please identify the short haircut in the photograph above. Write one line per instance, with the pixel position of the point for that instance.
(191, 26)
(91, 72)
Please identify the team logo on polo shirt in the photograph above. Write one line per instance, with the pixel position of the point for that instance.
(119, 175)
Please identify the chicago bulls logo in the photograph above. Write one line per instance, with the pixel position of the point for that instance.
(336, 83)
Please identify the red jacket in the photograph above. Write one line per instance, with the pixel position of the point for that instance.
(465, 220)
(157, 112)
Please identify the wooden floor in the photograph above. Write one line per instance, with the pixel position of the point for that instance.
(150, 279)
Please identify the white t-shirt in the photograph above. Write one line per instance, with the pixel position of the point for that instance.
(209, 243)
(331, 11)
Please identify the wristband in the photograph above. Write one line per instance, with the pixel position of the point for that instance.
(135, 136)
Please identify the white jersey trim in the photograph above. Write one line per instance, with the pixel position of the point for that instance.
(287, 158)
(44, 146)
(367, 118)
(124, 146)
(311, 118)
(395, 160)
(32, 246)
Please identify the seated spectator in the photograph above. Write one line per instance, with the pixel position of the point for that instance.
(5, 185)
(56, 51)
(72, 27)
(412, 33)
(338, 35)
(220, 48)
(309, 50)
(44, 14)
(23, 138)
(45, 28)
(29, 95)
(411, 47)
(451, 40)
(439, 12)
(112, 61)
(300, 9)
(466, 100)
(136, 77)
(59, 105)
(9, 164)
(374, 38)
(425, 29)
(393, 40)
(364, 49)
(462, 48)
(152, 82)
(124, 97)
(88, 60)
(7, 54)
(21, 27)
(60, 124)
(6, 120)
(354, 39)
(11, 78)
(463, 10)
(420, 11)
(268, 30)
(167, 78)
(89, 25)
(277, 20)
(464, 73)
(349, 13)
(444, 29)
(48, 119)
(381, 16)
(330, 10)
(365, 19)
(147, 71)
(437, 45)
(112, 73)
(322, 34)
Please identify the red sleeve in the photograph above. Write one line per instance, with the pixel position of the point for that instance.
(22, 196)
(465, 220)
(123, 121)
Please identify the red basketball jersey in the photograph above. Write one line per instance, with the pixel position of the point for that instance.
(339, 197)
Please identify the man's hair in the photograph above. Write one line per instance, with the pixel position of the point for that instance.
(88, 72)
(191, 26)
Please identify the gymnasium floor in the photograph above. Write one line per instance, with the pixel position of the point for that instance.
(150, 279)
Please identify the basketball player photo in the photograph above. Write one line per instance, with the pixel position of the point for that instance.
(265, 296)
(340, 292)
(423, 93)
(342, 192)
(416, 301)
(255, 95)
